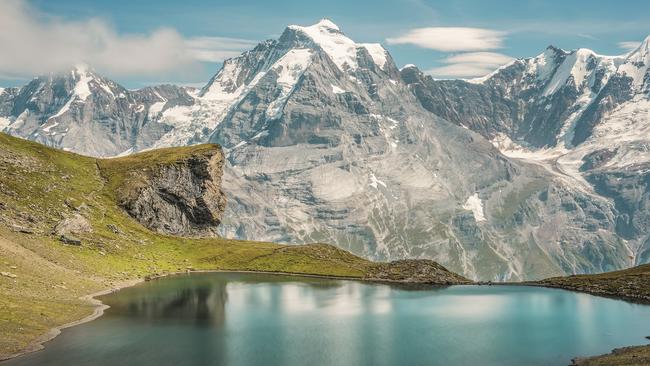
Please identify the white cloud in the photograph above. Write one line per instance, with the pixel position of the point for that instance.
(216, 49)
(34, 43)
(484, 58)
(629, 45)
(452, 39)
(470, 64)
(459, 71)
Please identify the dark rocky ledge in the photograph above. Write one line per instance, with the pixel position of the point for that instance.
(171, 191)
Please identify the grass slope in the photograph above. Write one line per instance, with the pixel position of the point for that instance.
(42, 279)
(631, 284)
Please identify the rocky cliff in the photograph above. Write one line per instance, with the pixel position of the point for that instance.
(175, 193)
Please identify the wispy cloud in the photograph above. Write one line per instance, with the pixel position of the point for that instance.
(469, 65)
(474, 43)
(483, 58)
(35, 43)
(216, 49)
(452, 39)
(629, 45)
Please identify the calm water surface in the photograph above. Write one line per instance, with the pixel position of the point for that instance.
(249, 319)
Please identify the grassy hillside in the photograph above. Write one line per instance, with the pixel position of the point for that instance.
(42, 279)
(631, 284)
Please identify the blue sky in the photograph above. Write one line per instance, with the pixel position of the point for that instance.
(146, 32)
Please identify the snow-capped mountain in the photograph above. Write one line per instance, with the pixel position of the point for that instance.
(82, 111)
(327, 140)
(583, 116)
(325, 143)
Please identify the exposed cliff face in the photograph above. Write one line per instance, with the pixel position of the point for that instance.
(176, 194)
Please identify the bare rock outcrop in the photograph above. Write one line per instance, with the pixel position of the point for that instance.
(171, 192)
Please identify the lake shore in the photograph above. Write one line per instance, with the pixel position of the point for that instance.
(99, 307)
(631, 285)
(98, 310)
(621, 356)
(615, 358)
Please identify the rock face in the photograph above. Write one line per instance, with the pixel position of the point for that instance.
(76, 224)
(328, 145)
(327, 141)
(182, 196)
(582, 116)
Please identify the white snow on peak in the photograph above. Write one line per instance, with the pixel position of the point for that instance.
(377, 52)
(475, 205)
(542, 66)
(221, 88)
(575, 64)
(82, 89)
(80, 92)
(225, 90)
(637, 63)
(341, 49)
(289, 69)
(326, 23)
(580, 65)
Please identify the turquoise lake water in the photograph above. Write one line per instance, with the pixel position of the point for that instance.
(254, 319)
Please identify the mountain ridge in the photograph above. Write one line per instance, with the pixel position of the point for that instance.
(322, 143)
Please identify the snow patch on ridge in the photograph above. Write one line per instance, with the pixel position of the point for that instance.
(475, 205)
(82, 88)
(289, 68)
(374, 182)
(377, 52)
(337, 90)
(156, 108)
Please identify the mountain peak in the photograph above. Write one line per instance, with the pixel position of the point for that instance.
(644, 47)
(81, 68)
(326, 23)
(555, 50)
(585, 52)
(646, 41)
(341, 49)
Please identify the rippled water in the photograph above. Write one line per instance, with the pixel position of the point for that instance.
(249, 319)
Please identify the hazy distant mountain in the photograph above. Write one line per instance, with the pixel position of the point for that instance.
(85, 112)
(328, 141)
